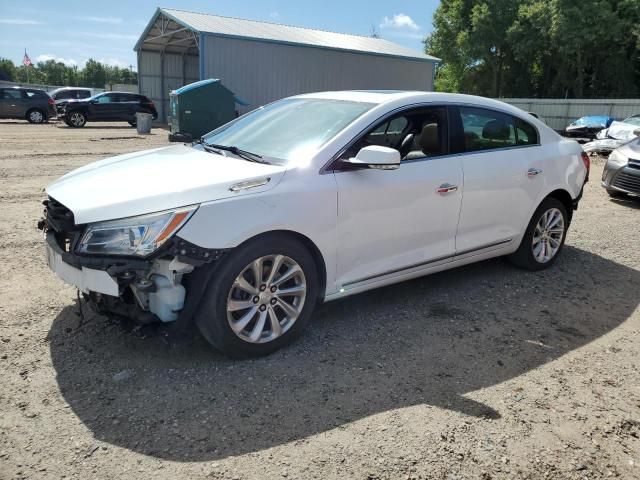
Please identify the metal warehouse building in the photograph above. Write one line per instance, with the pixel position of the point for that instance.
(262, 62)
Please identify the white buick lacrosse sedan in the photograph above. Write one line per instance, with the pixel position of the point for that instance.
(309, 199)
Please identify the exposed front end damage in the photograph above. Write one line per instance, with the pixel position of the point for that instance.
(149, 289)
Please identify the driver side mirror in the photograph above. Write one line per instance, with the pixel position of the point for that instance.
(376, 157)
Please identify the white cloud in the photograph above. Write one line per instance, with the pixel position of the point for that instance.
(100, 19)
(114, 62)
(274, 15)
(399, 21)
(45, 57)
(19, 21)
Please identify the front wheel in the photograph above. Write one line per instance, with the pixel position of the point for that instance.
(544, 238)
(76, 119)
(260, 298)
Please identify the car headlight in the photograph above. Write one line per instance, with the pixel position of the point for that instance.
(617, 159)
(138, 236)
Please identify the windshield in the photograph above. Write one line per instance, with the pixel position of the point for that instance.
(635, 120)
(593, 120)
(288, 128)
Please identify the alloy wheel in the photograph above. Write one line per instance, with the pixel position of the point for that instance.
(36, 116)
(77, 119)
(547, 236)
(266, 298)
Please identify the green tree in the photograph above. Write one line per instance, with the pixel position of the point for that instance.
(538, 47)
(94, 74)
(54, 73)
(7, 69)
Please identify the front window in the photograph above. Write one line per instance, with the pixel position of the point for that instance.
(106, 99)
(289, 129)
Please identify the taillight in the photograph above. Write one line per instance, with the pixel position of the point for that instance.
(51, 101)
(587, 162)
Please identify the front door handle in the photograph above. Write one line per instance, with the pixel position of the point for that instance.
(446, 188)
(532, 172)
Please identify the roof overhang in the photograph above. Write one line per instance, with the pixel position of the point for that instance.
(165, 33)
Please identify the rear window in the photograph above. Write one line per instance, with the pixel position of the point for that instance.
(486, 129)
(36, 94)
(526, 133)
(63, 95)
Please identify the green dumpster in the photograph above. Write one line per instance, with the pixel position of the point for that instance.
(200, 107)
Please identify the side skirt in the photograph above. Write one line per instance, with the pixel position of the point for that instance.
(502, 248)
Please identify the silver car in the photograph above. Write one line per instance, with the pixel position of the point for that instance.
(621, 174)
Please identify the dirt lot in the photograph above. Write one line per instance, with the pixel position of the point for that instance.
(484, 372)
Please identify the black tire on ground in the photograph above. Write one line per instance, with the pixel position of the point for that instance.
(211, 316)
(36, 115)
(615, 193)
(75, 119)
(524, 257)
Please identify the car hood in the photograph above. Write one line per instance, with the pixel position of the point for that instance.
(631, 149)
(155, 180)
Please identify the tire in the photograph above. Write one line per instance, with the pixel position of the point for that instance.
(35, 115)
(615, 193)
(225, 303)
(549, 240)
(75, 119)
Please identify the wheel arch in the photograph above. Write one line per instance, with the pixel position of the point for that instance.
(565, 197)
(309, 244)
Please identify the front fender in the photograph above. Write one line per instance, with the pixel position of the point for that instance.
(299, 204)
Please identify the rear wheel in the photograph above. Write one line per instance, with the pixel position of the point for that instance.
(76, 119)
(260, 298)
(544, 238)
(35, 115)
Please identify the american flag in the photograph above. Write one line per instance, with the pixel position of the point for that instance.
(26, 61)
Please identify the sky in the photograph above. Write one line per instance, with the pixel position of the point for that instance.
(73, 31)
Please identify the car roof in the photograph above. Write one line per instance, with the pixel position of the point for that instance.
(16, 87)
(408, 97)
(71, 88)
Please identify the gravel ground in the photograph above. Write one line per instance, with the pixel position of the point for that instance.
(484, 372)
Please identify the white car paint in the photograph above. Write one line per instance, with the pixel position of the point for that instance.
(372, 227)
(155, 180)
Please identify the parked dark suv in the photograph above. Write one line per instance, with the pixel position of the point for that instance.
(62, 96)
(108, 107)
(31, 104)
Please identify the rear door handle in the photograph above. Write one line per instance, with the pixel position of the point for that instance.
(446, 188)
(532, 172)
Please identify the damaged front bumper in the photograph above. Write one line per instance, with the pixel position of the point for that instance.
(145, 289)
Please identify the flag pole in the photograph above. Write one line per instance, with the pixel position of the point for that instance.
(27, 66)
